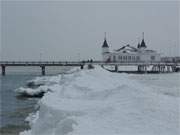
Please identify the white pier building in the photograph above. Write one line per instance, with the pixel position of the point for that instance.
(130, 53)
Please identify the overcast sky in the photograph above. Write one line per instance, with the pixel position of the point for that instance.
(66, 30)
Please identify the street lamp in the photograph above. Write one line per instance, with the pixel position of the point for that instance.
(40, 56)
(78, 55)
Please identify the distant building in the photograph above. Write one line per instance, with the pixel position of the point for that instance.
(129, 53)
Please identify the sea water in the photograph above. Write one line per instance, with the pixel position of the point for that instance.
(14, 109)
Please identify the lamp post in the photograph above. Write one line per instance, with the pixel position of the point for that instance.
(40, 56)
(78, 56)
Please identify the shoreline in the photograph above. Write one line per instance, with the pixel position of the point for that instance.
(13, 129)
(50, 103)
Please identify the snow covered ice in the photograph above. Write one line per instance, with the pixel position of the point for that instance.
(40, 85)
(98, 102)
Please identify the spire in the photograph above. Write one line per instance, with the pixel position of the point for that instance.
(105, 44)
(139, 45)
(104, 35)
(143, 44)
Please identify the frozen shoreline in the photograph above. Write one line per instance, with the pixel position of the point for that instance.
(94, 102)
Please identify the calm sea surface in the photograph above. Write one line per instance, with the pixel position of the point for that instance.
(14, 110)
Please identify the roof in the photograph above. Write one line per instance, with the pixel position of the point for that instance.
(143, 44)
(105, 44)
(150, 51)
(139, 45)
(127, 48)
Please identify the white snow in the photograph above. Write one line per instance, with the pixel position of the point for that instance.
(32, 92)
(98, 102)
(41, 85)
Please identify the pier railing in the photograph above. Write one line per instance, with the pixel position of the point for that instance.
(142, 65)
(71, 63)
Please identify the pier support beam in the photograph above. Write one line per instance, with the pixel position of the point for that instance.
(3, 70)
(173, 68)
(145, 68)
(162, 68)
(142, 68)
(168, 68)
(82, 67)
(139, 68)
(116, 68)
(43, 70)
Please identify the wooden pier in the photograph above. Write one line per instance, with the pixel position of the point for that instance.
(141, 66)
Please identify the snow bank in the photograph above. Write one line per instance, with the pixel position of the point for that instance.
(40, 85)
(98, 102)
(49, 80)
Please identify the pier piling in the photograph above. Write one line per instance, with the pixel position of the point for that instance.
(116, 68)
(3, 70)
(82, 67)
(43, 70)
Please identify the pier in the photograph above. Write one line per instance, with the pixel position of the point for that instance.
(159, 67)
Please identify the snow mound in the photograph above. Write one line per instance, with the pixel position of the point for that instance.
(39, 81)
(49, 80)
(98, 102)
(40, 85)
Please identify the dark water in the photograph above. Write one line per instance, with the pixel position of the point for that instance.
(13, 109)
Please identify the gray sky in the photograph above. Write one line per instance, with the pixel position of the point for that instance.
(62, 30)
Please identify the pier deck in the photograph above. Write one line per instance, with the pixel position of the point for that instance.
(157, 66)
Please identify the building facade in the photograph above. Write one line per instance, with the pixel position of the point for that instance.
(129, 53)
(170, 59)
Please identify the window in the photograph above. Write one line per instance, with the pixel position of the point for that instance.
(152, 57)
(133, 57)
(121, 57)
(114, 58)
(137, 58)
(129, 57)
